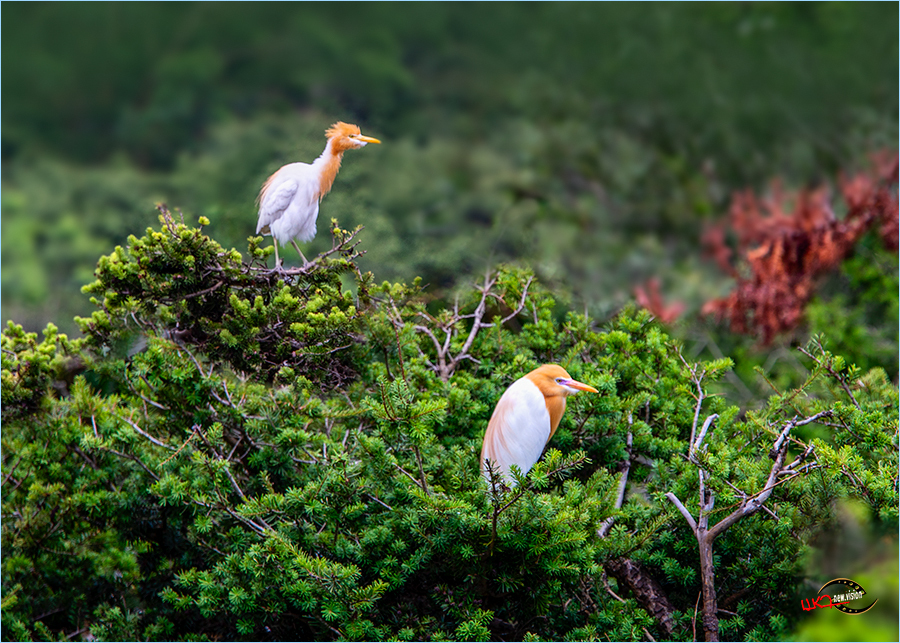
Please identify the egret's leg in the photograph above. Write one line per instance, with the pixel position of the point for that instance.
(300, 251)
(277, 262)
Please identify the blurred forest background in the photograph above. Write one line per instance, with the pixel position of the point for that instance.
(595, 143)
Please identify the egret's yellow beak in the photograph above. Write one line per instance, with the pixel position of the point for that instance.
(580, 386)
(367, 139)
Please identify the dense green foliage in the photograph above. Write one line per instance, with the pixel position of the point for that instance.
(183, 280)
(848, 312)
(166, 494)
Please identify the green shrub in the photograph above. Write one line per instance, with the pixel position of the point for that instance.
(184, 487)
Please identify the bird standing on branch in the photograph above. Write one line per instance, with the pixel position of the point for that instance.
(289, 199)
(526, 418)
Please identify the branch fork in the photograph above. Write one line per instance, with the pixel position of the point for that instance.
(749, 504)
(442, 331)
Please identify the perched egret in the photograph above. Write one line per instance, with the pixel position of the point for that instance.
(526, 418)
(289, 199)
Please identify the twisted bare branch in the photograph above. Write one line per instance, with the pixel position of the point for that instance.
(446, 362)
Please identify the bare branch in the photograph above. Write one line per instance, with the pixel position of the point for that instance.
(205, 291)
(696, 446)
(521, 305)
(479, 315)
(697, 380)
(799, 459)
(378, 500)
(407, 474)
(134, 458)
(607, 524)
(781, 438)
(421, 469)
(684, 512)
(427, 331)
(145, 434)
(754, 503)
(446, 362)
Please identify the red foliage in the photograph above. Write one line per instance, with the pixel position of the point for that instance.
(779, 254)
(651, 299)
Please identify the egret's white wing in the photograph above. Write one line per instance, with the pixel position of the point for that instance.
(519, 428)
(276, 198)
(289, 203)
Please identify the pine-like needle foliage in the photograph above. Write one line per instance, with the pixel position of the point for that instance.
(243, 453)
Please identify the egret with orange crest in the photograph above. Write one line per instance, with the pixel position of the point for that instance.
(289, 199)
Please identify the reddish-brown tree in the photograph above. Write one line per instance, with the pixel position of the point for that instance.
(781, 253)
(649, 297)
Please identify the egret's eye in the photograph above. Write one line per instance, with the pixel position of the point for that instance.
(559, 380)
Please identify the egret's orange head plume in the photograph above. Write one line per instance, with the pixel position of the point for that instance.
(340, 129)
(345, 136)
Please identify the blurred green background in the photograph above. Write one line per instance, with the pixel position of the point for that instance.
(591, 141)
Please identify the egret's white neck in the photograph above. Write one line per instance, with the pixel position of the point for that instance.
(325, 156)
